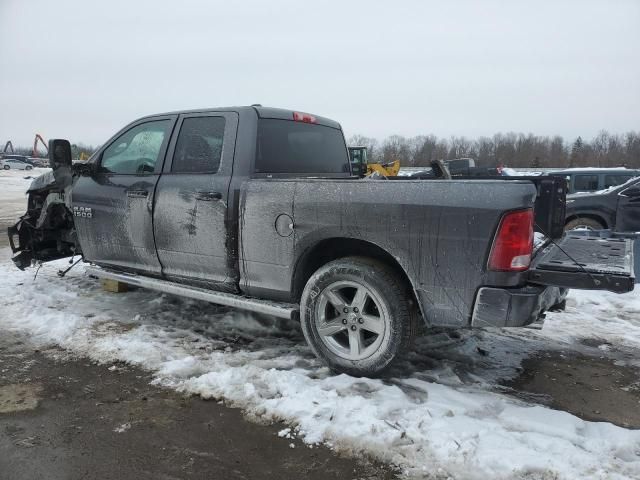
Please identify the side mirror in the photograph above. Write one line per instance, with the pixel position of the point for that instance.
(85, 169)
(59, 153)
(633, 191)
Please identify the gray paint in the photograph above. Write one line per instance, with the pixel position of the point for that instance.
(120, 231)
(440, 232)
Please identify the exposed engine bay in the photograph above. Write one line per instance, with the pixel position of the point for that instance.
(46, 231)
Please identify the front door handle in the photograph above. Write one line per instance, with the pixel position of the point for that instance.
(137, 193)
(208, 196)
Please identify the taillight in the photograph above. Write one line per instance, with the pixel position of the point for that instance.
(513, 244)
(304, 117)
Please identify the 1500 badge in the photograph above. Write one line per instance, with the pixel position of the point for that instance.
(84, 212)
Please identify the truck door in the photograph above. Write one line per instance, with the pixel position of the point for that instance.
(192, 229)
(628, 211)
(113, 207)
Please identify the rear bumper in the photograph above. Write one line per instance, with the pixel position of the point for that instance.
(506, 307)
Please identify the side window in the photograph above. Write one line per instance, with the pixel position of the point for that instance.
(613, 180)
(586, 183)
(199, 145)
(137, 150)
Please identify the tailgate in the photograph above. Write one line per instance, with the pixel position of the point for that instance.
(586, 263)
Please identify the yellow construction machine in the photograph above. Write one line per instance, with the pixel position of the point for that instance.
(362, 168)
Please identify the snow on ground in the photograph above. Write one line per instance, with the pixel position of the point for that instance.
(13, 185)
(439, 414)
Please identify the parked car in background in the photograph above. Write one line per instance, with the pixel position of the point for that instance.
(14, 156)
(39, 162)
(617, 208)
(593, 179)
(12, 163)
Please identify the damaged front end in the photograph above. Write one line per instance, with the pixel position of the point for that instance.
(46, 231)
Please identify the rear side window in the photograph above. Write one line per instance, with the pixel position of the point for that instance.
(613, 180)
(294, 147)
(585, 183)
(199, 145)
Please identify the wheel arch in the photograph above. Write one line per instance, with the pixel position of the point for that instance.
(329, 249)
(592, 216)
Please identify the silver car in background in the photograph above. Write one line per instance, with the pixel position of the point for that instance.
(12, 163)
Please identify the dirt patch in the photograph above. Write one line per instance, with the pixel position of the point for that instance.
(19, 397)
(592, 388)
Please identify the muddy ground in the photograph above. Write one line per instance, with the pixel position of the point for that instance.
(65, 418)
(591, 387)
(68, 418)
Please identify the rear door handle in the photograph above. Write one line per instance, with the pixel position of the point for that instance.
(208, 196)
(137, 193)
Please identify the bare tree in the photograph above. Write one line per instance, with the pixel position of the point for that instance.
(509, 149)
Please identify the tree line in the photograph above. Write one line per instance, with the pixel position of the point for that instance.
(515, 150)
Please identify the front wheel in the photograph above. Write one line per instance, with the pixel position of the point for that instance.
(357, 316)
(28, 167)
(6, 167)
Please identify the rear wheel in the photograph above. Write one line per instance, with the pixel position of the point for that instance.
(583, 223)
(357, 316)
(28, 167)
(6, 167)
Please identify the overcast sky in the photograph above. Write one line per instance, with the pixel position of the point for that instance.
(82, 69)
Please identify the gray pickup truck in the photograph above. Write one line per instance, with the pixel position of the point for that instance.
(257, 208)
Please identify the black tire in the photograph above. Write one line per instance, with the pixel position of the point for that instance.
(583, 222)
(7, 167)
(390, 297)
(29, 167)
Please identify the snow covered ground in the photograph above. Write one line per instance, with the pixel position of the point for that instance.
(440, 414)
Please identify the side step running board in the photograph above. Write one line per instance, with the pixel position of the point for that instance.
(266, 307)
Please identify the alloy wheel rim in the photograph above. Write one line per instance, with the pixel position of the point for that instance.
(352, 321)
(583, 227)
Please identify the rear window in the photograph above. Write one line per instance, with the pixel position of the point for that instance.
(286, 146)
(585, 183)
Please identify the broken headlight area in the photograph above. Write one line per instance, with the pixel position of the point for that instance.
(46, 232)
